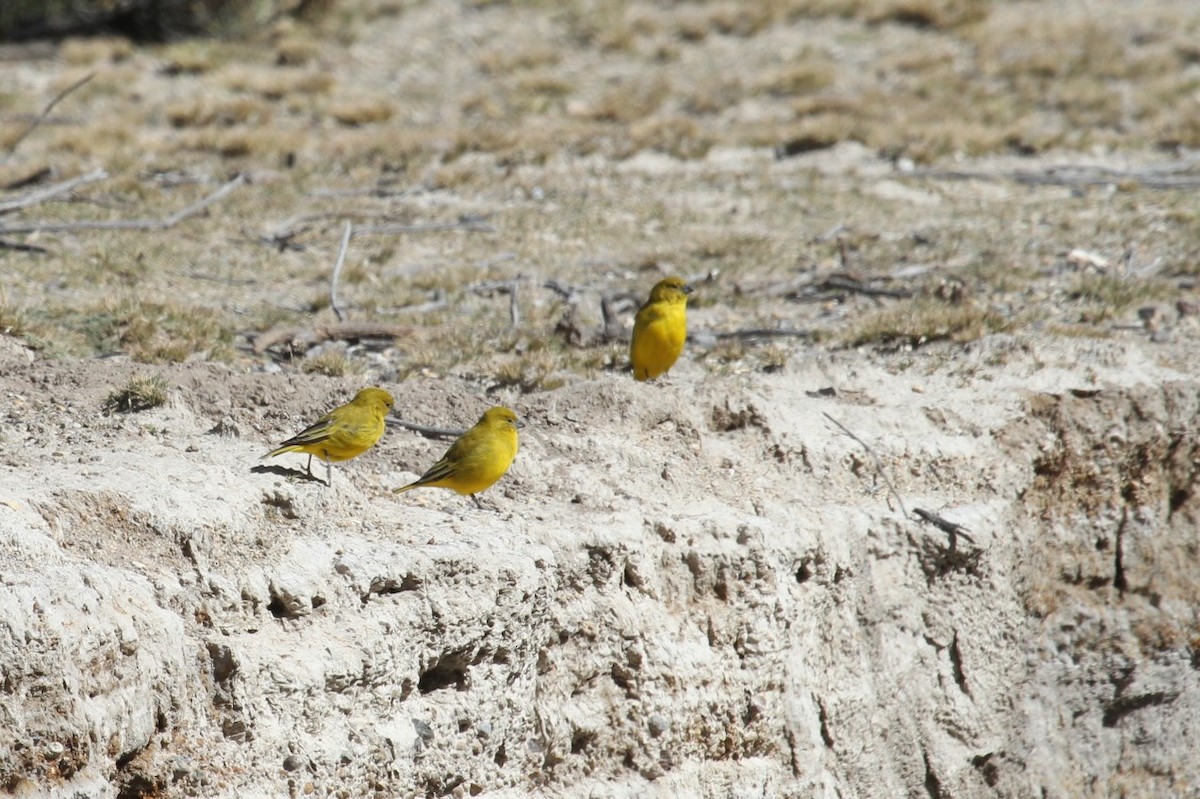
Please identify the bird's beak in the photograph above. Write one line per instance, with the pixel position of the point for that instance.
(687, 289)
(519, 424)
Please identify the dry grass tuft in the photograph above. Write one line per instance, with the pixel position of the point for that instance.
(921, 322)
(678, 136)
(362, 110)
(331, 363)
(200, 112)
(139, 394)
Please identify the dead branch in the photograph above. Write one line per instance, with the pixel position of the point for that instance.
(761, 332)
(955, 531)
(848, 283)
(337, 271)
(376, 191)
(18, 247)
(284, 233)
(52, 191)
(609, 310)
(128, 224)
(561, 289)
(843, 253)
(12, 148)
(305, 337)
(1173, 175)
(465, 222)
(425, 430)
(36, 176)
(874, 459)
(514, 309)
(438, 303)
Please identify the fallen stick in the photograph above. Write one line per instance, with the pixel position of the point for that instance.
(128, 224)
(874, 459)
(337, 271)
(465, 223)
(52, 191)
(1167, 176)
(955, 531)
(425, 430)
(340, 331)
(763, 332)
(17, 246)
(12, 148)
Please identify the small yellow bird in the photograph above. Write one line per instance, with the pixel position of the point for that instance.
(345, 432)
(659, 329)
(478, 458)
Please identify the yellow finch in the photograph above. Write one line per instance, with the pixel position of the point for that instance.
(478, 458)
(660, 329)
(345, 432)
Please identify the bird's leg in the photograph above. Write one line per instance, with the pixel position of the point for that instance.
(478, 504)
(309, 466)
(328, 473)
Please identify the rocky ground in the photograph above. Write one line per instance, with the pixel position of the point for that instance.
(945, 258)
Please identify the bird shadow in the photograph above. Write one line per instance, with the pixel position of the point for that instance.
(283, 471)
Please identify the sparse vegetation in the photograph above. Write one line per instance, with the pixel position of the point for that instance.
(923, 321)
(139, 394)
(557, 141)
(331, 363)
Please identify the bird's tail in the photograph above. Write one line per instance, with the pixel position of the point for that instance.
(402, 489)
(279, 451)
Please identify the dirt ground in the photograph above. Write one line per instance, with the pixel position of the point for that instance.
(938, 196)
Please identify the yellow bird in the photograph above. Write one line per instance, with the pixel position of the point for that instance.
(345, 432)
(660, 329)
(478, 458)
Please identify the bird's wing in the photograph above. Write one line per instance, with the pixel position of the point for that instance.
(316, 433)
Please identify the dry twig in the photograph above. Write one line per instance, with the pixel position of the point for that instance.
(50, 192)
(128, 224)
(425, 430)
(514, 309)
(337, 271)
(762, 332)
(12, 148)
(875, 460)
(466, 222)
(955, 531)
(1173, 175)
(305, 337)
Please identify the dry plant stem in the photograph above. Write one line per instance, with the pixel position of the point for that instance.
(337, 271)
(613, 329)
(31, 179)
(341, 331)
(764, 332)
(843, 253)
(874, 459)
(128, 224)
(12, 148)
(424, 429)
(52, 191)
(376, 192)
(18, 247)
(838, 282)
(955, 531)
(561, 289)
(391, 230)
(1174, 175)
(514, 310)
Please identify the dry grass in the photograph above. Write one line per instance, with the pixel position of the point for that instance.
(331, 363)
(921, 322)
(537, 134)
(139, 394)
